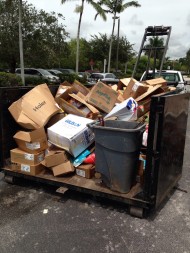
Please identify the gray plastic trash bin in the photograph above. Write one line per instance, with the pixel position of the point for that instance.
(117, 149)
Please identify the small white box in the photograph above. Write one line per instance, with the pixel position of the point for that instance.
(72, 134)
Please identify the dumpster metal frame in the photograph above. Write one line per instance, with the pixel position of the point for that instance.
(166, 111)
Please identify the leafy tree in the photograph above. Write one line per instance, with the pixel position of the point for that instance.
(155, 42)
(99, 45)
(43, 38)
(188, 60)
(115, 7)
(79, 9)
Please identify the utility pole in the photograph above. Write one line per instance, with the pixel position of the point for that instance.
(21, 43)
(117, 53)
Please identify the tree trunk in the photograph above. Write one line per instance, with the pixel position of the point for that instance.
(78, 39)
(111, 40)
(21, 43)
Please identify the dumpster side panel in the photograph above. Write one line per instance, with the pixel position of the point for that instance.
(172, 144)
(166, 143)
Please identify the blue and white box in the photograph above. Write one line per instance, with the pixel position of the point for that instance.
(71, 134)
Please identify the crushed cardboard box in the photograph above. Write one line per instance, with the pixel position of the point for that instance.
(54, 158)
(134, 89)
(62, 169)
(32, 141)
(73, 103)
(72, 134)
(35, 108)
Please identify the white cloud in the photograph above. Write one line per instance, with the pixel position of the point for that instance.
(133, 21)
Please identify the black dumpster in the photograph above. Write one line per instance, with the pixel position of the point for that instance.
(164, 153)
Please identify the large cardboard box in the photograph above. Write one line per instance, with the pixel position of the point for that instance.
(32, 170)
(102, 97)
(20, 156)
(54, 157)
(32, 141)
(75, 104)
(72, 134)
(35, 108)
(134, 89)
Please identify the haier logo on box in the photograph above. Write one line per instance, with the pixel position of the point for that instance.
(70, 122)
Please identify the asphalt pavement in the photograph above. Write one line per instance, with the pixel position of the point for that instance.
(34, 218)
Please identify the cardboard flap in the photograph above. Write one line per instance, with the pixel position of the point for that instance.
(156, 81)
(150, 90)
(79, 87)
(81, 100)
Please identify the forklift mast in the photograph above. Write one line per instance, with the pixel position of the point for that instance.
(153, 31)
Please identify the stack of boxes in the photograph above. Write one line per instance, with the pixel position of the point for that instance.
(27, 157)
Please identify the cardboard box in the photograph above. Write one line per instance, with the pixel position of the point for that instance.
(53, 158)
(63, 169)
(32, 170)
(134, 89)
(86, 170)
(32, 142)
(152, 90)
(72, 134)
(20, 156)
(79, 87)
(76, 87)
(123, 83)
(156, 81)
(35, 108)
(102, 97)
(73, 103)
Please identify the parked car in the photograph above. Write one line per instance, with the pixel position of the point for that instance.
(173, 77)
(44, 74)
(66, 71)
(107, 78)
(54, 72)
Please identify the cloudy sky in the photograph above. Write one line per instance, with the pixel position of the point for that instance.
(174, 13)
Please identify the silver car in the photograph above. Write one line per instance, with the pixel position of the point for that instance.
(107, 78)
(42, 73)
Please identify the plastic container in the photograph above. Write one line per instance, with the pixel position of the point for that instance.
(117, 150)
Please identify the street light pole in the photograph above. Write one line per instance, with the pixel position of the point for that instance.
(117, 53)
(21, 43)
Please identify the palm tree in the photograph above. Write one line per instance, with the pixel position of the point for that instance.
(115, 7)
(154, 44)
(79, 9)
